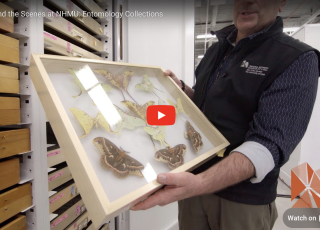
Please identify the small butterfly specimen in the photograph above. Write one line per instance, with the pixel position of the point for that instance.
(116, 159)
(88, 122)
(121, 81)
(128, 122)
(105, 87)
(139, 110)
(157, 133)
(194, 137)
(178, 106)
(172, 156)
(148, 86)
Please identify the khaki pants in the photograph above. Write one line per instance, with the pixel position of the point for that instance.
(210, 212)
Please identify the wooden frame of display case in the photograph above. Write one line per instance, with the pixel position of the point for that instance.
(98, 205)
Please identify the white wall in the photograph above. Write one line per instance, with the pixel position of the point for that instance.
(167, 42)
(309, 148)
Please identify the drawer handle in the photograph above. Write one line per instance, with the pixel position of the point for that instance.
(4, 147)
(80, 17)
(4, 137)
(77, 34)
(75, 54)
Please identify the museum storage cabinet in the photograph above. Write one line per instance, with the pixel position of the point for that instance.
(37, 190)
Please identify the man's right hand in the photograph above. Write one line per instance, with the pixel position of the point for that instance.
(169, 73)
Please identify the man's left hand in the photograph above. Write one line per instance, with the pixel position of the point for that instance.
(178, 186)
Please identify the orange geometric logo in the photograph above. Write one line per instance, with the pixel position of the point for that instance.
(306, 183)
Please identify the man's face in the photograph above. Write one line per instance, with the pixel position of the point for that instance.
(251, 16)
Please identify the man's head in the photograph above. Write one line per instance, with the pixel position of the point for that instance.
(251, 16)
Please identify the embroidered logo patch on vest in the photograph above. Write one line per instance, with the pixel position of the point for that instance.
(256, 70)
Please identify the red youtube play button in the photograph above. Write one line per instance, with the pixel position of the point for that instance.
(161, 115)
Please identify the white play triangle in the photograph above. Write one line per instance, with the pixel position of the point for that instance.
(160, 115)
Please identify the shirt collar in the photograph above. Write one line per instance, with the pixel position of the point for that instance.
(233, 35)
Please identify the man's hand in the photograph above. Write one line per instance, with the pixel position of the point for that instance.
(187, 90)
(179, 186)
(169, 73)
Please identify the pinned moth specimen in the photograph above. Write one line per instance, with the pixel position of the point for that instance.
(116, 159)
(172, 156)
(148, 86)
(178, 106)
(157, 133)
(194, 137)
(127, 121)
(121, 81)
(105, 87)
(88, 122)
(139, 110)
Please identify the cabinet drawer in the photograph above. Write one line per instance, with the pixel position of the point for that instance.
(9, 103)
(77, 14)
(9, 72)
(67, 214)
(14, 142)
(55, 157)
(16, 223)
(14, 201)
(9, 49)
(9, 116)
(65, 27)
(6, 22)
(65, 48)
(91, 6)
(58, 178)
(9, 173)
(79, 223)
(8, 85)
(62, 197)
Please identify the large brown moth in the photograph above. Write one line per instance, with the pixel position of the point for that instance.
(172, 156)
(116, 159)
(194, 137)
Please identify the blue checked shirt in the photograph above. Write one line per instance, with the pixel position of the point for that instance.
(284, 110)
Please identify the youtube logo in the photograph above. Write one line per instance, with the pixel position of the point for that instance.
(161, 115)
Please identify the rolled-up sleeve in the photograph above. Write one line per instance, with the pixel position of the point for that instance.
(283, 116)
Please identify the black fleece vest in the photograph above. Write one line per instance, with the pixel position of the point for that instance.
(233, 98)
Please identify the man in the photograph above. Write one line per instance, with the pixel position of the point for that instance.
(258, 87)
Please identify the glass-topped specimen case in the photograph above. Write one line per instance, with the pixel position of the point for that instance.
(97, 110)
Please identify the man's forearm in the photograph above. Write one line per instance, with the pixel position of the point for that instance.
(232, 170)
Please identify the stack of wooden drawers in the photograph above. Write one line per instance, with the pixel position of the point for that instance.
(14, 197)
(74, 36)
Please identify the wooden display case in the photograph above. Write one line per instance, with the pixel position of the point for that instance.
(9, 173)
(72, 31)
(66, 193)
(9, 49)
(55, 157)
(62, 47)
(15, 223)
(9, 110)
(79, 95)
(13, 142)
(58, 178)
(6, 22)
(67, 214)
(14, 201)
